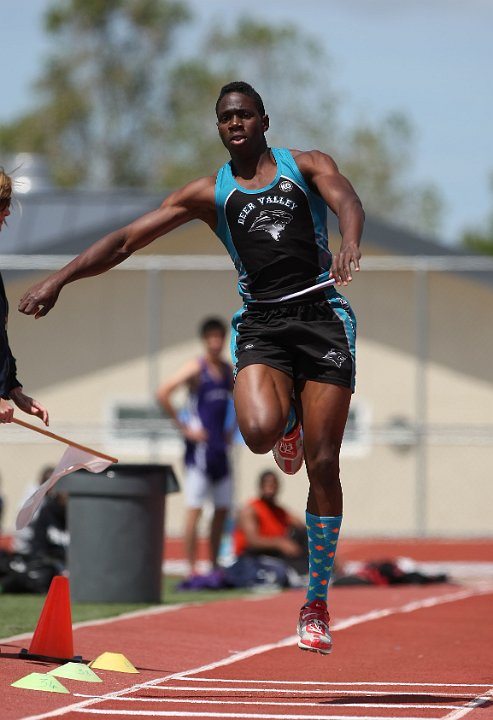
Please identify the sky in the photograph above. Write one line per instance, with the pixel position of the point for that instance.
(430, 59)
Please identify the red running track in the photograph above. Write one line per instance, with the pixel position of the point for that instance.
(403, 652)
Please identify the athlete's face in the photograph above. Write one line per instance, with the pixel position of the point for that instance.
(240, 125)
(270, 488)
(214, 343)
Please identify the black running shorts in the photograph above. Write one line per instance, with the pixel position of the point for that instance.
(309, 339)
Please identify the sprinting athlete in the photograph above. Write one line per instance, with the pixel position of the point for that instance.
(294, 339)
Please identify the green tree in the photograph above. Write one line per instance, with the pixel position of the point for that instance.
(102, 90)
(293, 74)
(480, 240)
(280, 62)
(115, 111)
(378, 160)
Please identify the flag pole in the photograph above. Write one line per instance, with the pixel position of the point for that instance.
(64, 440)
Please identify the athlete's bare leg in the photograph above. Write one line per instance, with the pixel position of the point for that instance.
(192, 518)
(325, 410)
(262, 398)
(216, 533)
(324, 413)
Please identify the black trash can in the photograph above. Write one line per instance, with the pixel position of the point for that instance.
(116, 525)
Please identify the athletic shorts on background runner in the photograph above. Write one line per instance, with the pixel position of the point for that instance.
(198, 488)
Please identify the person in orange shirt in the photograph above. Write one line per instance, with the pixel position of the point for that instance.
(264, 527)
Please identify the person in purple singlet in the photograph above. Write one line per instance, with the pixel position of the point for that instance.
(203, 425)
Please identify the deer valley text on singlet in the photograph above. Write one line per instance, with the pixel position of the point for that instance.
(276, 235)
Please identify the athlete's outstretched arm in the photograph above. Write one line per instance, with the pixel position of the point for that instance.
(195, 201)
(322, 173)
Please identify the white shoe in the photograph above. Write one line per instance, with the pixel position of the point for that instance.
(288, 451)
(313, 628)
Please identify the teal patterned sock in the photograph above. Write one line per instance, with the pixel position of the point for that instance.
(323, 534)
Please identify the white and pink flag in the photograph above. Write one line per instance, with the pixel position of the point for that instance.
(73, 459)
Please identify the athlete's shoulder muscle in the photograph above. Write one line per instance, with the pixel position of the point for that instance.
(322, 174)
(314, 162)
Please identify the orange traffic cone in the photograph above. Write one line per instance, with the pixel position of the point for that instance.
(53, 635)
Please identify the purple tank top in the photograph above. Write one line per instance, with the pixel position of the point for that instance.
(209, 402)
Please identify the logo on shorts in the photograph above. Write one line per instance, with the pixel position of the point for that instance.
(285, 186)
(336, 357)
(249, 347)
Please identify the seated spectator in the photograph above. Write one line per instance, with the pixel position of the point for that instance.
(40, 550)
(270, 542)
(50, 536)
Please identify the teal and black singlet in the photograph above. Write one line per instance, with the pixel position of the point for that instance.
(277, 239)
(276, 235)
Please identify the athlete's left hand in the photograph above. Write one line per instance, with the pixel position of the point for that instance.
(348, 256)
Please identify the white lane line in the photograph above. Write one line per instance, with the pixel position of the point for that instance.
(342, 684)
(236, 716)
(237, 657)
(264, 702)
(411, 607)
(331, 690)
(476, 703)
(133, 614)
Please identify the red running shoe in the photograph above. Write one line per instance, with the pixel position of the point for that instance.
(288, 451)
(313, 628)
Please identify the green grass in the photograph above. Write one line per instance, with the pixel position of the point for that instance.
(20, 613)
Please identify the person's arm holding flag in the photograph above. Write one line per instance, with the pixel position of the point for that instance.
(10, 387)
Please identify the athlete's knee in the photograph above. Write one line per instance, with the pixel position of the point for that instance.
(323, 463)
(259, 438)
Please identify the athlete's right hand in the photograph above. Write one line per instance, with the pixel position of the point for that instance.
(40, 298)
(349, 255)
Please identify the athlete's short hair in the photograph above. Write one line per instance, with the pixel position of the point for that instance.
(5, 189)
(212, 324)
(244, 88)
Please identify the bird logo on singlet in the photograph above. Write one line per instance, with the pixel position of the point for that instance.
(271, 221)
